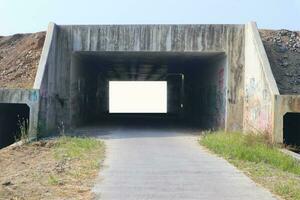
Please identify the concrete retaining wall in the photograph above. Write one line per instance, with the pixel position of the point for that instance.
(47, 61)
(260, 85)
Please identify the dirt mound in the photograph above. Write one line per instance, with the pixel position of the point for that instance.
(19, 58)
(283, 50)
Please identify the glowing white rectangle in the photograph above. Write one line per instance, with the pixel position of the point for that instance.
(137, 96)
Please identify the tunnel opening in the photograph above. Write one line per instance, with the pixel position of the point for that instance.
(196, 86)
(137, 96)
(14, 121)
(291, 130)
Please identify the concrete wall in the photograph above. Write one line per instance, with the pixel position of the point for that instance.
(24, 96)
(264, 107)
(282, 105)
(209, 93)
(55, 73)
(218, 84)
(47, 107)
(260, 85)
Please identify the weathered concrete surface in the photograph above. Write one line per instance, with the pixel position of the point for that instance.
(24, 96)
(196, 84)
(264, 107)
(245, 78)
(167, 164)
(260, 86)
(282, 105)
(55, 71)
(48, 59)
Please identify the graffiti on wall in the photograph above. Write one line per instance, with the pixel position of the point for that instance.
(257, 107)
(33, 96)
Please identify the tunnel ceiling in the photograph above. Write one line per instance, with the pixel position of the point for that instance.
(146, 57)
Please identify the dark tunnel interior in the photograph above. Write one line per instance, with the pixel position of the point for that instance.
(291, 129)
(196, 85)
(14, 118)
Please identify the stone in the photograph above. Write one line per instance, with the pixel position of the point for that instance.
(7, 183)
(285, 64)
(281, 49)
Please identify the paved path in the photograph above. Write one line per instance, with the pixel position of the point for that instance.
(160, 164)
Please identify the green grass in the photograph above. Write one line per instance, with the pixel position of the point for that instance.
(76, 147)
(53, 180)
(261, 160)
(85, 154)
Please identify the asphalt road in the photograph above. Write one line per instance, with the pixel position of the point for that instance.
(167, 164)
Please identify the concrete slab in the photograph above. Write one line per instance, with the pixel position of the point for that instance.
(167, 164)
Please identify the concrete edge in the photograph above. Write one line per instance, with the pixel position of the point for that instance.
(263, 58)
(19, 143)
(30, 97)
(44, 56)
(290, 153)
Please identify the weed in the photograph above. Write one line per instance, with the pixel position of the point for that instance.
(23, 131)
(75, 147)
(53, 180)
(61, 129)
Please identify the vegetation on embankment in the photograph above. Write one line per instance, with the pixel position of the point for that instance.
(61, 168)
(259, 159)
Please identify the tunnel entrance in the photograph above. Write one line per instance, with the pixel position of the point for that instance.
(291, 129)
(196, 86)
(14, 118)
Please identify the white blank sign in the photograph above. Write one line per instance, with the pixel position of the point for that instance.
(137, 96)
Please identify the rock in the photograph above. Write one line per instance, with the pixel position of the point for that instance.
(285, 64)
(281, 49)
(7, 183)
(297, 45)
(283, 32)
(297, 82)
(294, 34)
(288, 75)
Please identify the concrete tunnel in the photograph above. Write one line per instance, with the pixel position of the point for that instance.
(217, 77)
(196, 85)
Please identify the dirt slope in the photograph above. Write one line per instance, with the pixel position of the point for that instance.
(283, 50)
(19, 58)
(62, 168)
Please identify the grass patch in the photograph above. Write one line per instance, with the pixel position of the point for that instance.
(76, 147)
(85, 153)
(53, 180)
(261, 160)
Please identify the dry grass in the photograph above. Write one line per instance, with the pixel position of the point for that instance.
(63, 168)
